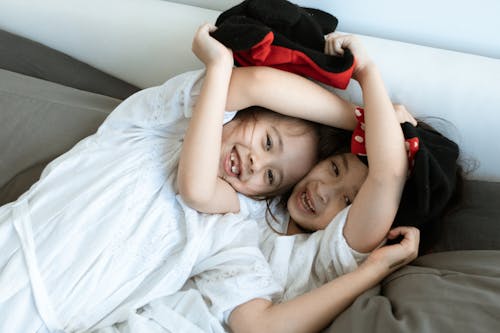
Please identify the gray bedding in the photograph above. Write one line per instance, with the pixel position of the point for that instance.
(456, 289)
(40, 120)
(443, 292)
(21, 55)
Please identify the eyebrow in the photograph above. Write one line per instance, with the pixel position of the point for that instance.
(278, 135)
(344, 161)
(280, 150)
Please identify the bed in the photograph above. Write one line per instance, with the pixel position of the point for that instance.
(57, 85)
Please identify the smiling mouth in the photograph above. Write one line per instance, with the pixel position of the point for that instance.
(233, 166)
(307, 203)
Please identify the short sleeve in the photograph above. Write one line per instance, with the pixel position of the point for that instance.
(334, 246)
(235, 277)
(157, 107)
(236, 273)
(307, 261)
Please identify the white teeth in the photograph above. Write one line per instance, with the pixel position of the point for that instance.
(234, 168)
(307, 202)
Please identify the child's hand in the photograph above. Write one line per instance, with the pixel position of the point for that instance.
(389, 258)
(209, 50)
(335, 44)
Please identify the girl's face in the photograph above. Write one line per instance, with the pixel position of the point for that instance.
(266, 154)
(327, 189)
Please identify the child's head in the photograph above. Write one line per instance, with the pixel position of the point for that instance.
(264, 153)
(327, 189)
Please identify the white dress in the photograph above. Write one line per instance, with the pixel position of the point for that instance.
(299, 263)
(102, 232)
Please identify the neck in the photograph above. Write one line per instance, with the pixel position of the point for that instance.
(294, 229)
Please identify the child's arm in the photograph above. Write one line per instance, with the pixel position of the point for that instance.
(377, 202)
(313, 311)
(289, 94)
(197, 177)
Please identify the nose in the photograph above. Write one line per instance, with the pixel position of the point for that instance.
(327, 187)
(323, 190)
(257, 162)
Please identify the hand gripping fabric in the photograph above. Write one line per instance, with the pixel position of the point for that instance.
(280, 34)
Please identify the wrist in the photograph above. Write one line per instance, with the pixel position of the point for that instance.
(219, 71)
(364, 71)
(220, 64)
(375, 270)
(219, 67)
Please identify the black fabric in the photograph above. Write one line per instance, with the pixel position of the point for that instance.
(21, 55)
(432, 183)
(294, 27)
(303, 26)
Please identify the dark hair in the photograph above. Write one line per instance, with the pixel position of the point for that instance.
(432, 232)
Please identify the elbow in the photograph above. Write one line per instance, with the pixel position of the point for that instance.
(389, 181)
(391, 173)
(250, 328)
(192, 196)
(243, 87)
(252, 317)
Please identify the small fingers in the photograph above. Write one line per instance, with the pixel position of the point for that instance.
(404, 115)
(205, 28)
(410, 241)
(410, 233)
(333, 44)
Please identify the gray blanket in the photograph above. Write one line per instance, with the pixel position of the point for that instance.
(455, 292)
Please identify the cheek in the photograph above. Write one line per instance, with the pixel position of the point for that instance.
(329, 213)
(251, 187)
(306, 156)
(299, 166)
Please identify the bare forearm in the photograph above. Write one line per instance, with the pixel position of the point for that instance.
(310, 312)
(198, 165)
(384, 138)
(377, 201)
(288, 94)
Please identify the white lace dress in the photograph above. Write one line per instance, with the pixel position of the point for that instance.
(299, 263)
(102, 232)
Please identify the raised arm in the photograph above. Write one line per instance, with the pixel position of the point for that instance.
(197, 177)
(289, 94)
(377, 202)
(313, 311)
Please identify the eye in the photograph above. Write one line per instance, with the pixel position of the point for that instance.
(269, 143)
(347, 201)
(335, 168)
(270, 177)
